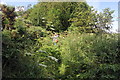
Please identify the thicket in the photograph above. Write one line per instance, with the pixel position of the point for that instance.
(76, 56)
(28, 50)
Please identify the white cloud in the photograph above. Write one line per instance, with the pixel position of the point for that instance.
(115, 26)
(61, 0)
(3, 2)
(103, 0)
(20, 0)
(96, 5)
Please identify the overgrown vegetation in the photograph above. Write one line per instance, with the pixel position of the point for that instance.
(85, 51)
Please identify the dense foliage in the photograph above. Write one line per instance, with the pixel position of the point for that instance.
(8, 17)
(59, 16)
(83, 52)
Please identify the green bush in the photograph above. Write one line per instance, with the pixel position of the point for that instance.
(15, 45)
(75, 57)
(89, 56)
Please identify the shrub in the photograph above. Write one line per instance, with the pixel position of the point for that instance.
(89, 56)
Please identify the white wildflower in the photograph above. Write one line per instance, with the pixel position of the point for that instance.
(53, 58)
(42, 65)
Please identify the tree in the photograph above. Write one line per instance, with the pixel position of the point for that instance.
(83, 17)
(89, 20)
(104, 19)
(8, 17)
(59, 16)
(55, 14)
